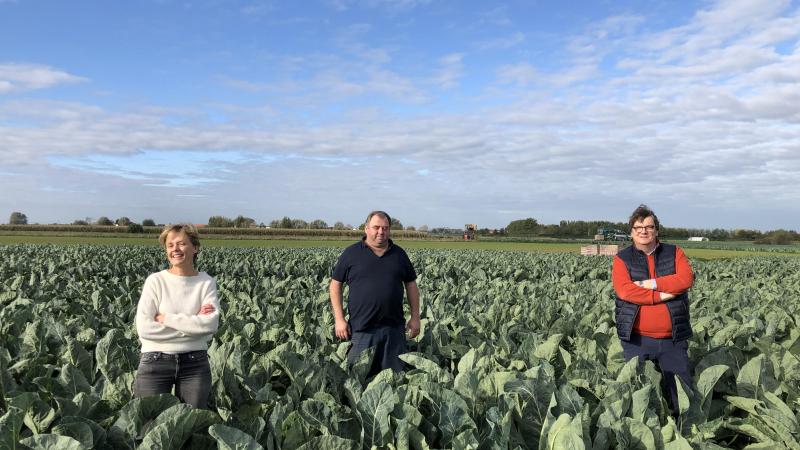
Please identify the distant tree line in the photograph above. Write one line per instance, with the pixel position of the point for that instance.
(528, 227)
(581, 229)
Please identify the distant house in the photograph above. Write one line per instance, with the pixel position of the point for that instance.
(698, 239)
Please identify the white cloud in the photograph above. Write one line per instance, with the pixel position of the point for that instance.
(16, 78)
(521, 74)
(450, 72)
(699, 114)
(503, 42)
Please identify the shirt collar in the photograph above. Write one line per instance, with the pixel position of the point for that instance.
(658, 244)
(364, 244)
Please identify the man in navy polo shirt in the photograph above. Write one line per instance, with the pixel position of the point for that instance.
(378, 273)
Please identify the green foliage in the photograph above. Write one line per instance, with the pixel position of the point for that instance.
(242, 222)
(135, 228)
(17, 218)
(123, 221)
(220, 222)
(778, 237)
(523, 227)
(318, 224)
(104, 221)
(148, 223)
(517, 350)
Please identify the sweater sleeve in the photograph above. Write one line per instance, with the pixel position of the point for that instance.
(196, 324)
(626, 289)
(681, 280)
(146, 325)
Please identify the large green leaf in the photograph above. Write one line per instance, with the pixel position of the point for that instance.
(52, 442)
(329, 443)
(565, 434)
(86, 431)
(426, 365)
(705, 385)
(116, 354)
(176, 425)
(10, 427)
(374, 408)
(139, 411)
(232, 439)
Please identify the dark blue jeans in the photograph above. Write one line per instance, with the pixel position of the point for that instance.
(389, 343)
(670, 358)
(189, 373)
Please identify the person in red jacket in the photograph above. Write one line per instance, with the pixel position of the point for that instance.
(651, 280)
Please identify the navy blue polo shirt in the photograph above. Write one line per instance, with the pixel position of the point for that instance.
(377, 284)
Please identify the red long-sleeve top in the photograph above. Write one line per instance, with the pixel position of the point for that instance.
(653, 319)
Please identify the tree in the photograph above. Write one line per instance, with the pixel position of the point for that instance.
(135, 228)
(718, 234)
(523, 227)
(123, 221)
(105, 221)
(243, 222)
(318, 224)
(148, 223)
(220, 222)
(777, 237)
(286, 222)
(80, 222)
(396, 224)
(299, 224)
(340, 226)
(423, 228)
(17, 218)
(411, 228)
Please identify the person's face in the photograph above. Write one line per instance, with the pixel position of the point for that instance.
(644, 232)
(180, 250)
(377, 231)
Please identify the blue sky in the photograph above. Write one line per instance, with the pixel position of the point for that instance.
(440, 112)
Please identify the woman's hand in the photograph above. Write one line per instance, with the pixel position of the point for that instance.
(206, 309)
(159, 318)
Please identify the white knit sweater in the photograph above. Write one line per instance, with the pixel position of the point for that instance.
(179, 298)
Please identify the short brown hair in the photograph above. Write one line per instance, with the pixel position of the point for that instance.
(379, 214)
(189, 229)
(641, 213)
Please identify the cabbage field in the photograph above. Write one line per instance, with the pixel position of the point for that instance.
(518, 350)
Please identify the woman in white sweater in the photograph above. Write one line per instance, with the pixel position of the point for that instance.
(177, 315)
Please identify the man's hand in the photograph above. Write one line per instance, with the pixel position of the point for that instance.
(342, 329)
(647, 284)
(412, 327)
(665, 296)
(206, 309)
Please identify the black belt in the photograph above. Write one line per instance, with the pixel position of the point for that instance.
(187, 356)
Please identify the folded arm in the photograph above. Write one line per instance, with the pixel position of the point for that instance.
(629, 290)
(204, 322)
(681, 280)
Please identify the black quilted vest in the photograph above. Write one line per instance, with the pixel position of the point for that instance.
(636, 262)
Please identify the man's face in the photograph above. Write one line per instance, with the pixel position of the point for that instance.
(377, 231)
(644, 232)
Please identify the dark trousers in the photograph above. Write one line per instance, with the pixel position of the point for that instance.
(670, 358)
(189, 373)
(389, 343)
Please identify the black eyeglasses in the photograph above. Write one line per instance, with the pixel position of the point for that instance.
(645, 227)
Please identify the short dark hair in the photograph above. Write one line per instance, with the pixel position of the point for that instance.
(379, 214)
(641, 213)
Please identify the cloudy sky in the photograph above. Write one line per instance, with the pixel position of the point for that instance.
(442, 112)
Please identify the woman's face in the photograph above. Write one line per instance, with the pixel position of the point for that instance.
(180, 250)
